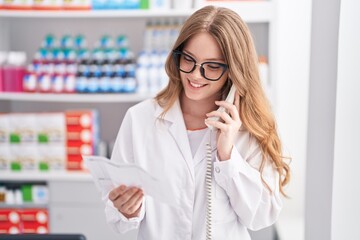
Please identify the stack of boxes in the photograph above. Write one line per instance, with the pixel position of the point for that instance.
(47, 141)
(46, 5)
(15, 221)
(23, 220)
(82, 136)
(22, 141)
(34, 220)
(32, 141)
(36, 142)
(51, 141)
(10, 221)
(4, 142)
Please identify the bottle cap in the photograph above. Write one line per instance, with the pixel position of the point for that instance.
(3, 56)
(16, 58)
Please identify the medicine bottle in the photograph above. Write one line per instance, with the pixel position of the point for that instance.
(14, 71)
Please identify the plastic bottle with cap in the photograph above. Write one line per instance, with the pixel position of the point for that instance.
(14, 71)
(142, 72)
(2, 62)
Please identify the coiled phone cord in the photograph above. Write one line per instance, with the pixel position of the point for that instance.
(208, 180)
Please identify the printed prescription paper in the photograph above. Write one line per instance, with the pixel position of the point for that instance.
(107, 174)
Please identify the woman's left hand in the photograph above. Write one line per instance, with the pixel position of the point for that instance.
(228, 127)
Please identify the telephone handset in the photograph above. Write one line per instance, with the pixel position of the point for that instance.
(230, 99)
(209, 164)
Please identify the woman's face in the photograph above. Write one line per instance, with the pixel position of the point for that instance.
(202, 48)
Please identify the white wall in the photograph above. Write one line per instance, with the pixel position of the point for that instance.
(321, 119)
(346, 177)
(293, 54)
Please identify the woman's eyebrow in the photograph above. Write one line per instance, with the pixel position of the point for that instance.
(208, 59)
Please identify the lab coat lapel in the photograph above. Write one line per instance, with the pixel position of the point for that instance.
(202, 149)
(177, 130)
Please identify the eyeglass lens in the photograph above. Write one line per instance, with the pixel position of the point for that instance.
(209, 70)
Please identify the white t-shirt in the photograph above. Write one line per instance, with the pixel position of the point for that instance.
(195, 138)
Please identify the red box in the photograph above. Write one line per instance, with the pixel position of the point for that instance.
(40, 216)
(79, 148)
(10, 215)
(10, 221)
(82, 136)
(74, 162)
(82, 119)
(8, 228)
(35, 227)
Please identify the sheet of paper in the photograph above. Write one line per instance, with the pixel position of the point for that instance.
(107, 175)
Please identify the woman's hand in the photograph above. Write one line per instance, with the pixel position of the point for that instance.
(228, 127)
(127, 200)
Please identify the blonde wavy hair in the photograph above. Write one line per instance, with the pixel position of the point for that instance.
(236, 44)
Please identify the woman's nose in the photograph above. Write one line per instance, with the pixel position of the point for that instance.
(197, 71)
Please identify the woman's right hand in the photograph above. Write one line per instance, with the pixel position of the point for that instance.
(127, 200)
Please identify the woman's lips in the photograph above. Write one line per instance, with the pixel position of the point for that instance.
(196, 85)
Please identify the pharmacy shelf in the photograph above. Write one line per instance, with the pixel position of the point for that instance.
(50, 97)
(251, 11)
(45, 176)
(128, 13)
(22, 205)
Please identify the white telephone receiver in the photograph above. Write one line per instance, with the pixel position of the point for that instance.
(230, 99)
(208, 176)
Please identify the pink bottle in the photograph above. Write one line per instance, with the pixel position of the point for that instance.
(14, 71)
(2, 61)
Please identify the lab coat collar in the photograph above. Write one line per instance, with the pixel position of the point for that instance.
(175, 120)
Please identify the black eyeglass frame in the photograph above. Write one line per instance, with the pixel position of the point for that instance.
(178, 53)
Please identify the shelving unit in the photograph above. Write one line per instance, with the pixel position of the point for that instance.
(23, 206)
(79, 98)
(74, 198)
(251, 12)
(67, 176)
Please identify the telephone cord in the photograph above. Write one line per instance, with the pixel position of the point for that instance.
(208, 183)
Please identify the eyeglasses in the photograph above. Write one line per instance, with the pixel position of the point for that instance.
(212, 71)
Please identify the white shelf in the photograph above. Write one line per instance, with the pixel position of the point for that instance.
(49, 97)
(129, 13)
(23, 205)
(45, 176)
(250, 11)
(257, 11)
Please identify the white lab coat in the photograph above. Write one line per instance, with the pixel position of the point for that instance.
(240, 199)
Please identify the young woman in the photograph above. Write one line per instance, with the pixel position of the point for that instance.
(168, 137)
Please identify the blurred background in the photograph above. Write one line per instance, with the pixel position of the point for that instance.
(69, 70)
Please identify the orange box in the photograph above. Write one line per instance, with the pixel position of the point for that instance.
(83, 135)
(75, 162)
(79, 148)
(83, 119)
